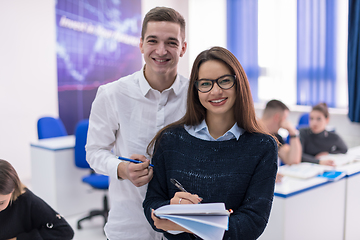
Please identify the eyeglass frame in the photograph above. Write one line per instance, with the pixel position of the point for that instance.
(215, 81)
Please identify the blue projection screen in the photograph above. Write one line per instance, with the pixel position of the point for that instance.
(97, 42)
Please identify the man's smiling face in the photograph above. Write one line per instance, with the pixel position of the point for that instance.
(162, 47)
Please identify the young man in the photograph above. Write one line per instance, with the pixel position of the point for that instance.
(127, 113)
(275, 117)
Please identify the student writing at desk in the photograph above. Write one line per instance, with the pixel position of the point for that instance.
(23, 215)
(316, 141)
(217, 151)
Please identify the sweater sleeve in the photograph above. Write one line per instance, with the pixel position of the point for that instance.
(309, 158)
(341, 147)
(46, 223)
(250, 220)
(101, 137)
(305, 157)
(156, 195)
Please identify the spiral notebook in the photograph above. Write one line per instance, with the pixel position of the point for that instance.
(208, 220)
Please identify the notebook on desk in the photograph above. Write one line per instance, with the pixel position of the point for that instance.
(303, 170)
(333, 175)
(341, 159)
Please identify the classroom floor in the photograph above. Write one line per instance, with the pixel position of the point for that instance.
(91, 229)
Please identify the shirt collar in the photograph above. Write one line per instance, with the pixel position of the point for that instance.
(145, 86)
(236, 131)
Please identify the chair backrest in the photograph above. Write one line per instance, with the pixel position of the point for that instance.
(304, 119)
(81, 130)
(49, 127)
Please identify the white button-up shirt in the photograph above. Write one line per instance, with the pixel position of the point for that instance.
(125, 116)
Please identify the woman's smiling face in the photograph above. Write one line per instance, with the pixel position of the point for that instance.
(217, 101)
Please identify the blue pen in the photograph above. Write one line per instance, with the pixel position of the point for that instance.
(132, 160)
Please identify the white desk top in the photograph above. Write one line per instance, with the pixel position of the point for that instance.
(353, 167)
(57, 143)
(350, 169)
(354, 150)
(290, 186)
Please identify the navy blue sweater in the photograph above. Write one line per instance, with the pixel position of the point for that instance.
(240, 173)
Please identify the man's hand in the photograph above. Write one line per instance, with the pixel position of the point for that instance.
(288, 126)
(138, 173)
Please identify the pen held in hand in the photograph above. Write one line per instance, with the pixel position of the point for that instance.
(132, 160)
(179, 186)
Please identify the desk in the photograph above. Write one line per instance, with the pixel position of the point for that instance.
(352, 210)
(307, 209)
(57, 180)
(317, 209)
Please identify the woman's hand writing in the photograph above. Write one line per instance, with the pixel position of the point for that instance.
(185, 198)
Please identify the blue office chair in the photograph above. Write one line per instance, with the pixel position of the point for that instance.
(49, 127)
(97, 181)
(303, 121)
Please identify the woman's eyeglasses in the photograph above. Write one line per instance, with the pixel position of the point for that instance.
(224, 82)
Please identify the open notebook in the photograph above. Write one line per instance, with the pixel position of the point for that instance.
(307, 170)
(303, 170)
(341, 159)
(208, 220)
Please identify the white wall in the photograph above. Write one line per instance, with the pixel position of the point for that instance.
(207, 26)
(28, 80)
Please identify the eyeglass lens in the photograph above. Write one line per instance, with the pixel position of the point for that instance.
(224, 82)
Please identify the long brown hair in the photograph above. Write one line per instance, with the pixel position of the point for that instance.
(9, 180)
(244, 111)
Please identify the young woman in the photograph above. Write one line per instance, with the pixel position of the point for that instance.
(217, 151)
(23, 215)
(316, 141)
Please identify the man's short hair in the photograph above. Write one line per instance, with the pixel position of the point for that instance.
(163, 14)
(275, 106)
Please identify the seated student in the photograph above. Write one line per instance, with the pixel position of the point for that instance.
(217, 151)
(23, 215)
(275, 117)
(316, 141)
